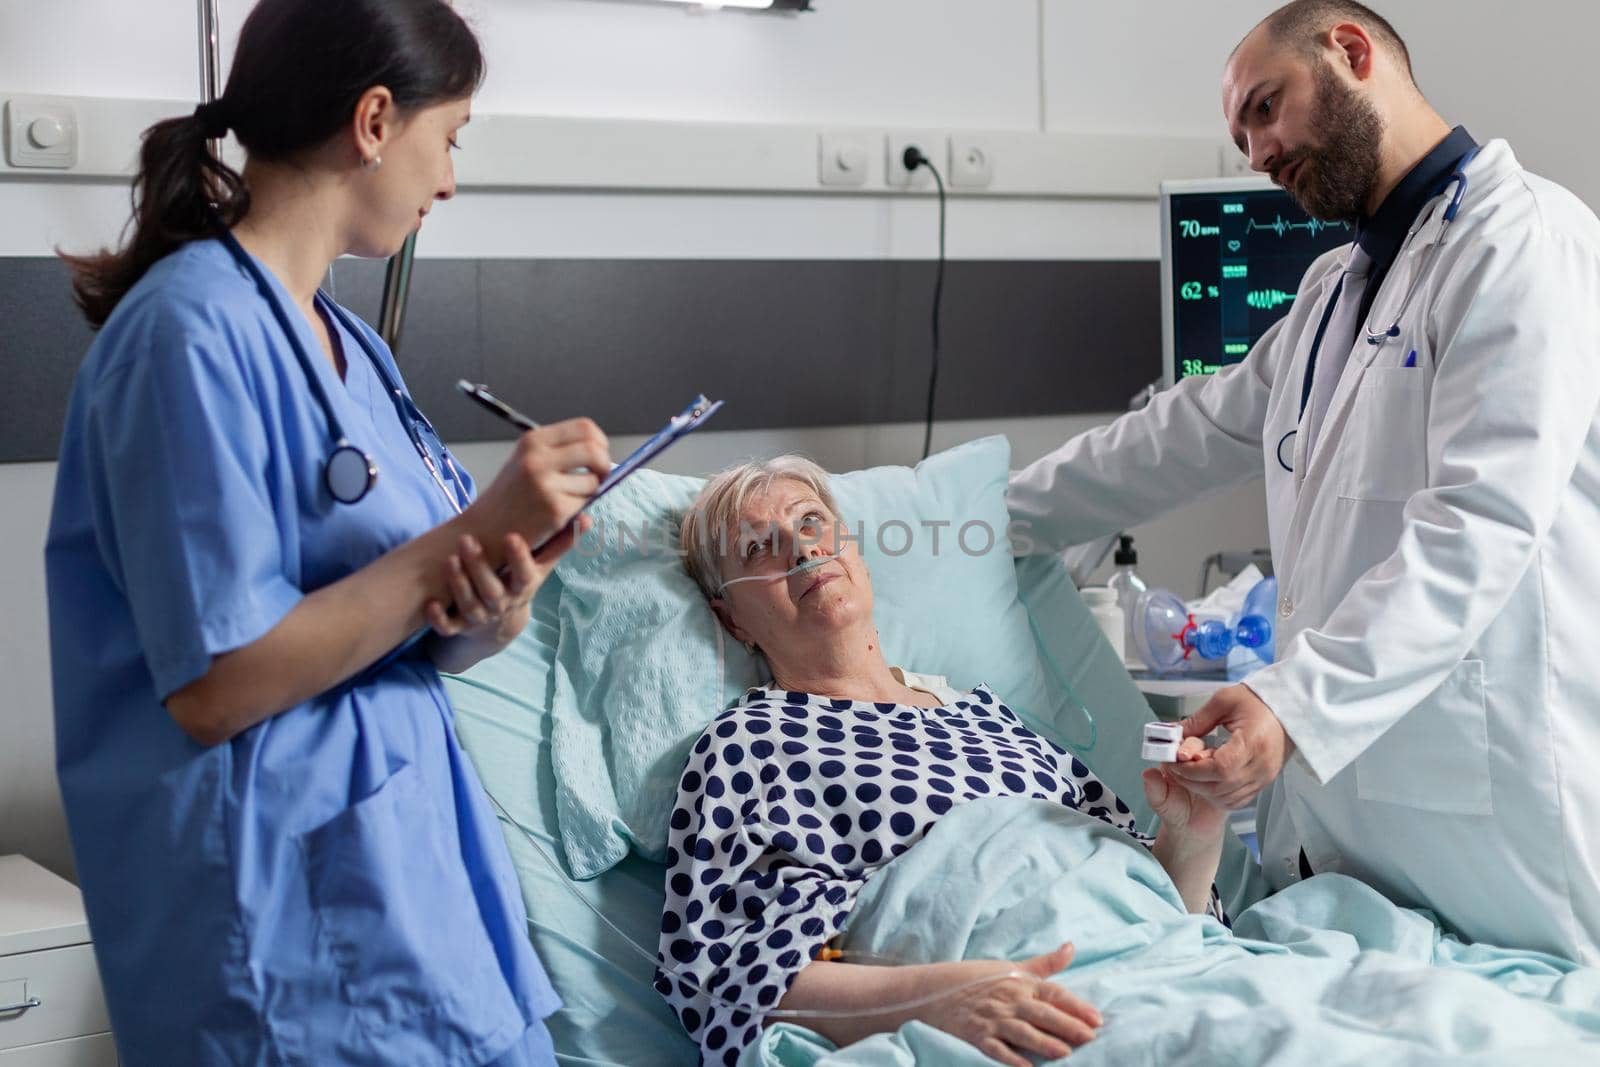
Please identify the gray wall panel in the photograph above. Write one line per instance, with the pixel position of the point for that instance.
(43, 337)
(785, 343)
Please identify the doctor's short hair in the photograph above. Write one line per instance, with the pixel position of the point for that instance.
(1301, 23)
(715, 512)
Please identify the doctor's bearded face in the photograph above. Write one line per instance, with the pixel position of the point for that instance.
(1318, 136)
(1340, 168)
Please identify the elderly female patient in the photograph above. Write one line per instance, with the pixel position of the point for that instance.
(791, 801)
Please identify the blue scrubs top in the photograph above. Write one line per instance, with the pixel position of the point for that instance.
(331, 886)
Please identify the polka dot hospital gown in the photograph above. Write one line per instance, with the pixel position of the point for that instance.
(791, 801)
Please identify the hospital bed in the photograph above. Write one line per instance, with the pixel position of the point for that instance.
(521, 716)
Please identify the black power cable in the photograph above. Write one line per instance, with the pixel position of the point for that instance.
(913, 158)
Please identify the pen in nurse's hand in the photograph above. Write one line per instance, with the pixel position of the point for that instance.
(499, 407)
(494, 404)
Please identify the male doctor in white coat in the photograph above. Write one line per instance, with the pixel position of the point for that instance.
(1432, 724)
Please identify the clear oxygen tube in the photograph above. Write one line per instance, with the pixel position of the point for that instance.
(755, 1010)
(1066, 700)
(810, 564)
(1165, 633)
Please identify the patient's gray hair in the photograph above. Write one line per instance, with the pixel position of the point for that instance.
(715, 512)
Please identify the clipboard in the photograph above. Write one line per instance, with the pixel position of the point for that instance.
(687, 421)
(690, 419)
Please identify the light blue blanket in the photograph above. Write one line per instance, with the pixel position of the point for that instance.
(1327, 972)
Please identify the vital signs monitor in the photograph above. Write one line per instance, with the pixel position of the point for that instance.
(1233, 251)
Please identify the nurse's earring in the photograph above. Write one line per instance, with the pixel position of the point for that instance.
(372, 164)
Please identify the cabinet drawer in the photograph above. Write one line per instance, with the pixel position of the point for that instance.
(96, 1051)
(67, 986)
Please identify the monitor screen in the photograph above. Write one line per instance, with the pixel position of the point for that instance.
(1233, 251)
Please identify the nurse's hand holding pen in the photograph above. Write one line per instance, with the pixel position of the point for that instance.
(493, 574)
(1256, 749)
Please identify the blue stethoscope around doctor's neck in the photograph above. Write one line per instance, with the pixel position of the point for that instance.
(350, 473)
(1378, 338)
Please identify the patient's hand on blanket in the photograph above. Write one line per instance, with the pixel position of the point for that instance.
(1006, 1018)
(1189, 842)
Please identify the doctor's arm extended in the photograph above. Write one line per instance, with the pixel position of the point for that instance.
(338, 630)
(1201, 436)
(1511, 425)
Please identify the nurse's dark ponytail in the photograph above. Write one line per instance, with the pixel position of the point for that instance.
(300, 68)
(177, 184)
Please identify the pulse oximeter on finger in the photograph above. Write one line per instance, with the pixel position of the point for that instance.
(1161, 741)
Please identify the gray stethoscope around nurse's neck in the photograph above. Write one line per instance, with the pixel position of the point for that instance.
(349, 472)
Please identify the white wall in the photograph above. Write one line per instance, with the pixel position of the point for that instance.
(1148, 66)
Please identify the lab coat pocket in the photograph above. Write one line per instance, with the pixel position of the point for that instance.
(1436, 758)
(397, 915)
(1382, 451)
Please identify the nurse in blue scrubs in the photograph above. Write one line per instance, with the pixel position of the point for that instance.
(285, 857)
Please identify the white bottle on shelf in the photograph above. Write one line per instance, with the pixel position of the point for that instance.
(1107, 613)
(1127, 586)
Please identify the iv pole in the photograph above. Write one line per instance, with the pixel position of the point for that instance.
(210, 64)
(397, 279)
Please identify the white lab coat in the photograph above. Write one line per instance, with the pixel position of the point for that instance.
(1438, 561)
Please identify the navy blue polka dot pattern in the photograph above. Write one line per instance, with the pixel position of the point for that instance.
(817, 827)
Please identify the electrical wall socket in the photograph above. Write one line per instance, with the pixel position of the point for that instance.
(929, 141)
(971, 162)
(844, 158)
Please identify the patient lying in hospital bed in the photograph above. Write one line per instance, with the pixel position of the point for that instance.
(583, 729)
(795, 799)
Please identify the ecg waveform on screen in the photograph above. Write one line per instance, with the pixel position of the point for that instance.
(1267, 299)
(1282, 226)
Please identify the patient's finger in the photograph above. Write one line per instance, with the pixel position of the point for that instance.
(1025, 1037)
(1064, 999)
(996, 1049)
(1193, 748)
(1052, 1021)
(1055, 961)
(1156, 787)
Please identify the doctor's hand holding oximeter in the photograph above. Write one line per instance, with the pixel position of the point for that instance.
(1231, 776)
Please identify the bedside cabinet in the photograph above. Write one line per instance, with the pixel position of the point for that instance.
(52, 1012)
